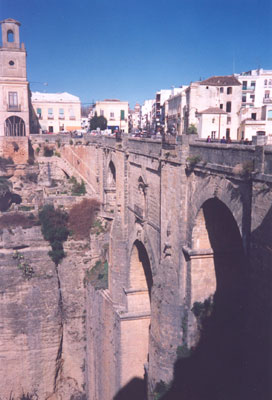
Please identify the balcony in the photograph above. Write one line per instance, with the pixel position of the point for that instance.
(61, 117)
(50, 117)
(14, 108)
(72, 118)
(267, 100)
(248, 88)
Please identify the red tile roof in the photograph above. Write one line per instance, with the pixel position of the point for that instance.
(228, 80)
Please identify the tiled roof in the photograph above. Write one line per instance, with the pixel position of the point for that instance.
(213, 110)
(228, 80)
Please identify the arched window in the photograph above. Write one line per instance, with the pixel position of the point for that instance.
(221, 90)
(15, 126)
(10, 36)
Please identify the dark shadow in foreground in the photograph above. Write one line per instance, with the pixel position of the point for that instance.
(134, 390)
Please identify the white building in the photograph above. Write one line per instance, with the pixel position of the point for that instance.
(174, 112)
(158, 112)
(56, 112)
(219, 92)
(256, 111)
(115, 112)
(146, 115)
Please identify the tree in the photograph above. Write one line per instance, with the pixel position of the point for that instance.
(98, 122)
(192, 130)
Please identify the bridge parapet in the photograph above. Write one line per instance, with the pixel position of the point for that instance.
(233, 155)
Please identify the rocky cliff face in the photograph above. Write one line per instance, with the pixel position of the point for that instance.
(42, 317)
(42, 306)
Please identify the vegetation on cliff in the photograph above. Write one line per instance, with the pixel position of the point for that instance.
(81, 218)
(4, 162)
(55, 230)
(12, 220)
(97, 275)
(78, 189)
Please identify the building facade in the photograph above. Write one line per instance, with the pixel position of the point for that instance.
(256, 102)
(146, 115)
(222, 92)
(115, 112)
(56, 112)
(174, 112)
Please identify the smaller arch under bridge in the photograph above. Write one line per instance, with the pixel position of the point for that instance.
(188, 308)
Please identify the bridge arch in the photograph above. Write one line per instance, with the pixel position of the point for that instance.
(216, 288)
(135, 325)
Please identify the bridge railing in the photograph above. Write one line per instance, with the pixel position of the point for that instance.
(231, 155)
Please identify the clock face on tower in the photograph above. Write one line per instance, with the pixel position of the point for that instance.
(11, 62)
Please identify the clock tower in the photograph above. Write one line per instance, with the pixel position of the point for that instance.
(14, 92)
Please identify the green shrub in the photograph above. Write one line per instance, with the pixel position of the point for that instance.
(97, 275)
(193, 160)
(78, 189)
(5, 186)
(161, 389)
(23, 265)
(4, 162)
(32, 177)
(54, 230)
(47, 152)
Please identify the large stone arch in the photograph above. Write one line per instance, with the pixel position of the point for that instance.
(214, 329)
(233, 194)
(135, 322)
(15, 126)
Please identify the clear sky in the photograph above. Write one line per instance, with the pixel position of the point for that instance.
(129, 49)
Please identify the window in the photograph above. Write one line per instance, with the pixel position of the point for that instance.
(39, 113)
(11, 63)
(112, 115)
(61, 113)
(269, 115)
(270, 82)
(213, 134)
(221, 90)
(253, 84)
(122, 116)
(253, 116)
(243, 99)
(10, 36)
(13, 99)
(228, 120)
(229, 90)
(221, 106)
(244, 85)
(228, 106)
(50, 113)
(213, 120)
(267, 94)
(72, 113)
(101, 113)
(265, 82)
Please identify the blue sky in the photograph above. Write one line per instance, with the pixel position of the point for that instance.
(129, 49)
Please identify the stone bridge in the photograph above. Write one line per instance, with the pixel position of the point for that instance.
(188, 305)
